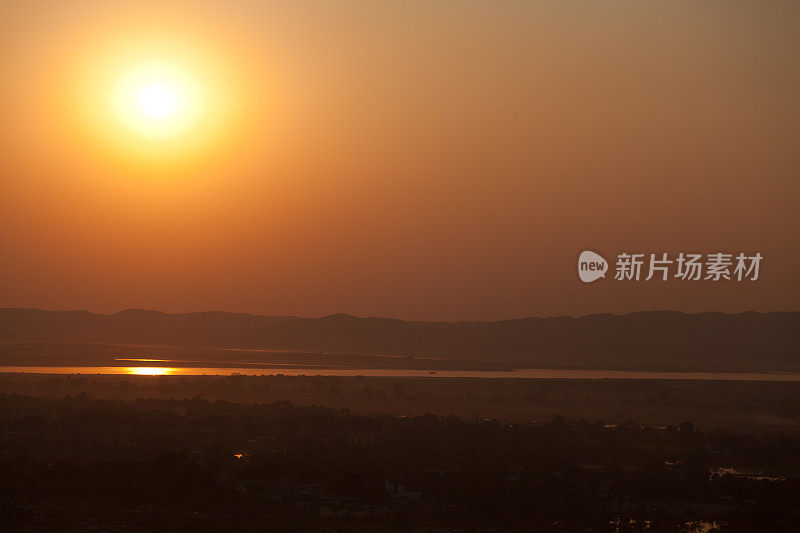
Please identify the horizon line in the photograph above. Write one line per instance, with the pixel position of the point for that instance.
(351, 316)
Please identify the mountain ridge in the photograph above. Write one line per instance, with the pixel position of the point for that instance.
(730, 340)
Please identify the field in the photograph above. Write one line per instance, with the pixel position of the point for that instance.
(732, 405)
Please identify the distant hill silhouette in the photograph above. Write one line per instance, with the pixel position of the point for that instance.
(642, 339)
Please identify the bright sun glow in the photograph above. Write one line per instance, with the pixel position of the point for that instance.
(161, 106)
(157, 100)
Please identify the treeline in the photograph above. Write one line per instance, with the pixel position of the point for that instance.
(77, 457)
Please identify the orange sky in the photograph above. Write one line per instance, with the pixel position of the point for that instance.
(421, 160)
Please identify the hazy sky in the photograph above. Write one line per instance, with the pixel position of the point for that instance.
(421, 160)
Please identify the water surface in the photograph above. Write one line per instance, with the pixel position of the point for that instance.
(529, 373)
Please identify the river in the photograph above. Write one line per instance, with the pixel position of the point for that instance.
(524, 373)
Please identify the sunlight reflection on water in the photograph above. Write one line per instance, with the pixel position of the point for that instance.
(149, 370)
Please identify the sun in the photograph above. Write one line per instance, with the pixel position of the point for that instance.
(156, 100)
(161, 106)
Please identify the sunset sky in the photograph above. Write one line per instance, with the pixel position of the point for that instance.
(419, 160)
